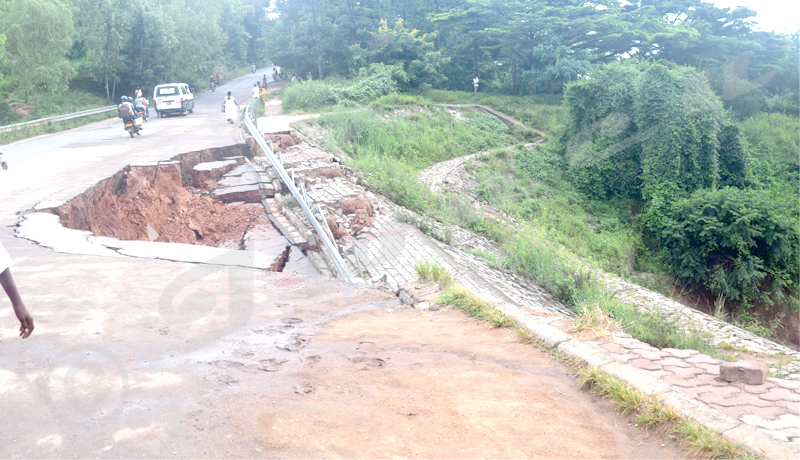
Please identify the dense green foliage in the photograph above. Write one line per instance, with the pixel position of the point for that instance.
(739, 243)
(718, 199)
(109, 47)
(521, 47)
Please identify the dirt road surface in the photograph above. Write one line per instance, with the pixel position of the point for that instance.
(315, 369)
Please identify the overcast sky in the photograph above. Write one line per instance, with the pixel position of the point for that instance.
(772, 14)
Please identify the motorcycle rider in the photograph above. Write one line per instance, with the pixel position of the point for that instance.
(253, 67)
(212, 82)
(141, 105)
(126, 111)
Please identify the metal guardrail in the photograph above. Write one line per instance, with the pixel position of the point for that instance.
(250, 124)
(69, 116)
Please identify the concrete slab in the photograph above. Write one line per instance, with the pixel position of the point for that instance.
(299, 263)
(246, 193)
(246, 178)
(212, 165)
(46, 230)
(190, 253)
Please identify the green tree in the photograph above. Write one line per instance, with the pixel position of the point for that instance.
(104, 26)
(411, 55)
(38, 39)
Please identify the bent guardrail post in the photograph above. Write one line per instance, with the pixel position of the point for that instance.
(330, 247)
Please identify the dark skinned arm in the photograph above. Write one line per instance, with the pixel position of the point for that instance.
(25, 318)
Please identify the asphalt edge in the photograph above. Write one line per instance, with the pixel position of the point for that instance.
(733, 430)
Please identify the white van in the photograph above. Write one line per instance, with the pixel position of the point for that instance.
(173, 98)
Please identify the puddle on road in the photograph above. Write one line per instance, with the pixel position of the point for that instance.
(210, 198)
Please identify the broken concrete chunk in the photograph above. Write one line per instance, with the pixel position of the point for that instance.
(246, 193)
(742, 371)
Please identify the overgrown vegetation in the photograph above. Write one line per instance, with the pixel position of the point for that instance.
(314, 95)
(710, 209)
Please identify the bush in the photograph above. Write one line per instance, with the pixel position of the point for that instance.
(306, 95)
(739, 244)
(315, 95)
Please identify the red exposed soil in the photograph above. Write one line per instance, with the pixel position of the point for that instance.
(125, 205)
(207, 179)
(282, 141)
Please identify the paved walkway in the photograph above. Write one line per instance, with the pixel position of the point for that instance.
(765, 418)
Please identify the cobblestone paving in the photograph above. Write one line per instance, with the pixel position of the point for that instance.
(390, 246)
(773, 406)
(721, 331)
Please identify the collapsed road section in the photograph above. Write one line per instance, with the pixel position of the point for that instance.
(203, 207)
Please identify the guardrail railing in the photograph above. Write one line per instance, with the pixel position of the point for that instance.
(300, 197)
(69, 116)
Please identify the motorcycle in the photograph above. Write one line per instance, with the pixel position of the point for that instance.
(133, 126)
(213, 86)
(253, 68)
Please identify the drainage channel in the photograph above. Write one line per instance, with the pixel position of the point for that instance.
(204, 207)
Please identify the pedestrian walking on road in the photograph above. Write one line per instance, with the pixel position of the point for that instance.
(256, 90)
(7, 281)
(475, 83)
(231, 108)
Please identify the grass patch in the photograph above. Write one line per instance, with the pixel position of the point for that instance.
(558, 272)
(323, 96)
(649, 412)
(706, 441)
(543, 113)
(61, 103)
(53, 127)
(433, 271)
(529, 185)
(460, 297)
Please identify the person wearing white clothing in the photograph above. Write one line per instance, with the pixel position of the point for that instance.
(475, 83)
(231, 108)
(7, 281)
(255, 90)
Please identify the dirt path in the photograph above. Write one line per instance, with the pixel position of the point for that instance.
(437, 385)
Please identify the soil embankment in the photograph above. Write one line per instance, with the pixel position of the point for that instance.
(160, 203)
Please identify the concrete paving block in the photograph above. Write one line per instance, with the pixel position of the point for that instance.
(636, 378)
(582, 350)
(744, 371)
(697, 411)
(549, 334)
(759, 443)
